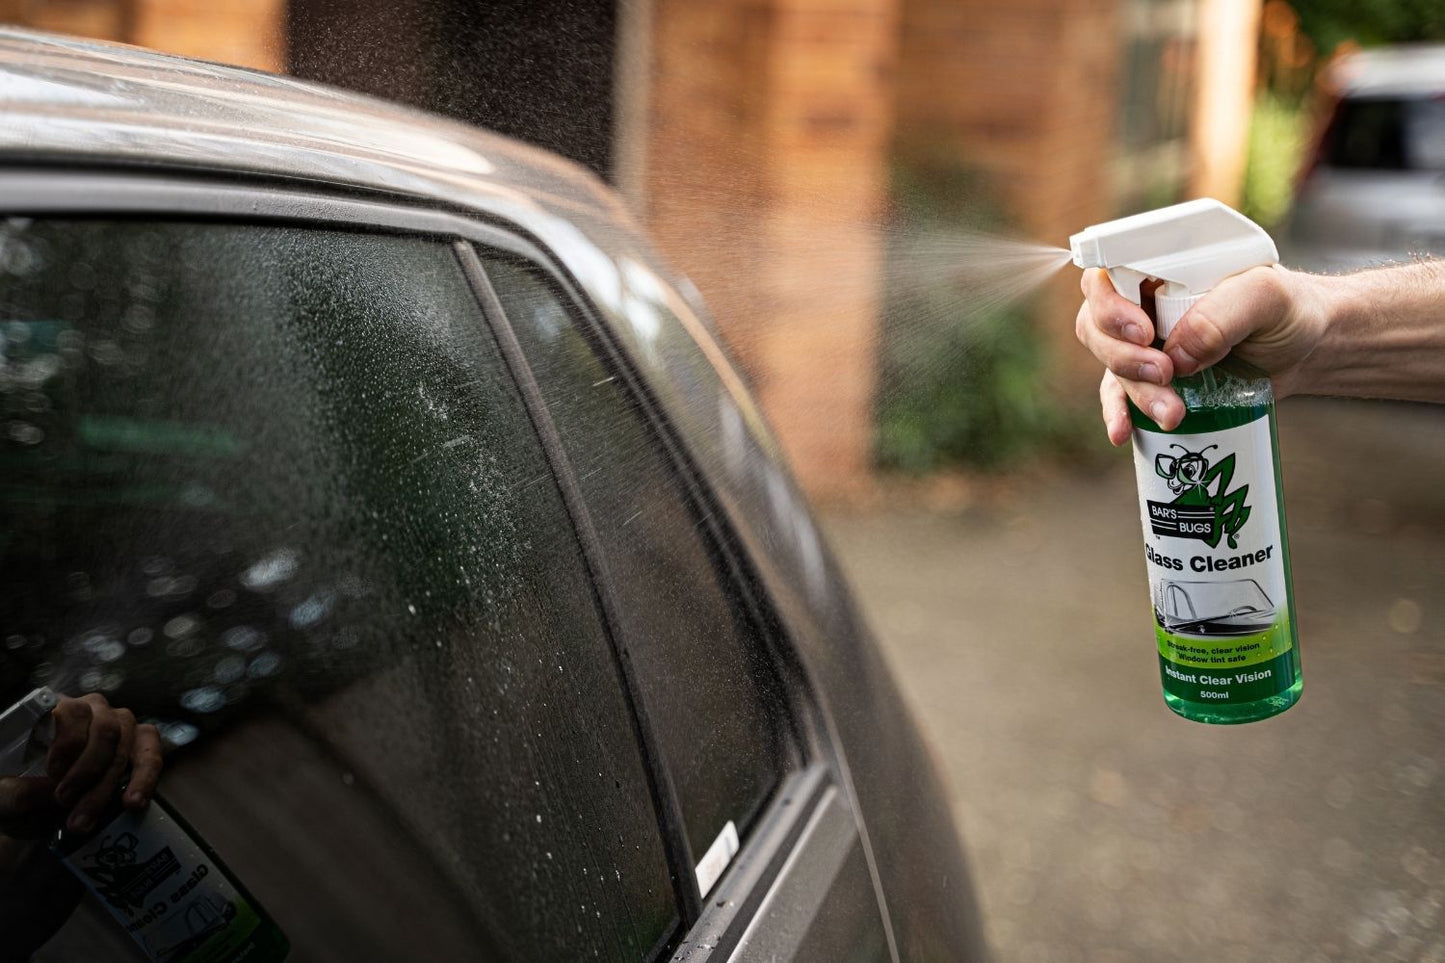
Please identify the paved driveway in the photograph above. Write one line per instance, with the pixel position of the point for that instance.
(1103, 828)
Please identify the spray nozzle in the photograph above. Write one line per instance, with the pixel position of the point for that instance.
(26, 730)
(1190, 247)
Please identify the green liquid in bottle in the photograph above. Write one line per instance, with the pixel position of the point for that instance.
(1224, 612)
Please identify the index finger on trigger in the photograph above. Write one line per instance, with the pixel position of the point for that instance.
(1114, 314)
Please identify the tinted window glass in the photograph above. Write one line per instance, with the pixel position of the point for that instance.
(273, 489)
(1389, 134)
(1368, 134)
(710, 692)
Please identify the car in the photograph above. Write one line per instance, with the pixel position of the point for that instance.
(379, 462)
(1374, 190)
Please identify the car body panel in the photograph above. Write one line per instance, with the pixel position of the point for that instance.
(165, 125)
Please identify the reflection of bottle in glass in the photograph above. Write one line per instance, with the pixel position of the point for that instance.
(165, 887)
(1210, 498)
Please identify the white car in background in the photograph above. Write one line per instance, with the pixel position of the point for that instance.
(1375, 189)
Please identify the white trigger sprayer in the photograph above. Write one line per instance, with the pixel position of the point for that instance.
(1191, 247)
(26, 729)
(1210, 498)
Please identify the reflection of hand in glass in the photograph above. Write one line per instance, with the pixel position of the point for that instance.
(94, 747)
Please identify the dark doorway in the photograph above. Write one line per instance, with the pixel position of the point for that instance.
(537, 70)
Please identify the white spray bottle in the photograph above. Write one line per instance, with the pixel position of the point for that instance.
(1210, 494)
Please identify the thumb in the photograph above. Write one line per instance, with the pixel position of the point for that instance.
(1235, 309)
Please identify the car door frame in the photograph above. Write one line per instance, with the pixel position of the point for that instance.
(811, 818)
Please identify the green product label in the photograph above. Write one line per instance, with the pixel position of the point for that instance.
(1215, 550)
(1229, 687)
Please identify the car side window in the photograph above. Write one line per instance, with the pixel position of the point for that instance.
(274, 489)
(712, 694)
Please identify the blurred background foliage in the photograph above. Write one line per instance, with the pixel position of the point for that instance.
(1330, 23)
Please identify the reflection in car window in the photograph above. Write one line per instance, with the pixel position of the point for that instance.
(273, 489)
(712, 697)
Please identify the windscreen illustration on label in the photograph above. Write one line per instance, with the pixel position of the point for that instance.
(1216, 559)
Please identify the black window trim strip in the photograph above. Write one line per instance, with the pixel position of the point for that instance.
(724, 554)
(664, 790)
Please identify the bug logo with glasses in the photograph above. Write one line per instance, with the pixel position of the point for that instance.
(1203, 507)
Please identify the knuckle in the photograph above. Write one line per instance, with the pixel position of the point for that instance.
(107, 730)
(72, 711)
(1203, 335)
(1123, 365)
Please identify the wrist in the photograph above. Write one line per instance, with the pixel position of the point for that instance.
(1320, 311)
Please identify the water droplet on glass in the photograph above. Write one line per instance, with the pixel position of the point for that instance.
(263, 665)
(101, 680)
(141, 636)
(271, 570)
(106, 353)
(24, 433)
(185, 648)
(243, 638)
(138, 318)
(178, 733)
(103, 647)
(313, 610)
(206, 698)
(171, 586)
(181, 626)
(225, 598)
(13, 642)
(348, 778)
(230, 669)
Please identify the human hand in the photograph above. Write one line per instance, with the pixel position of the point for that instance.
(95, 744)
(1268, 316)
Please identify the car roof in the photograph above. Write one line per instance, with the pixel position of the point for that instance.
(1405, 70)
(66, 98)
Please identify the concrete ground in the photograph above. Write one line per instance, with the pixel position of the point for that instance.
(1103, 828)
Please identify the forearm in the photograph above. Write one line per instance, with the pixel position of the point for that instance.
(1384, 335)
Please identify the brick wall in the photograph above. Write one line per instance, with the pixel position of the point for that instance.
(248, 33)
(766, 163)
